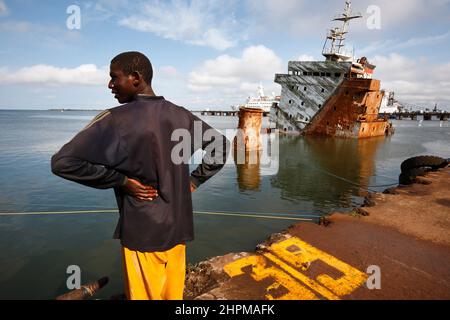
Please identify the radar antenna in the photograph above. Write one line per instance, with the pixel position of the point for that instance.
(335, 41)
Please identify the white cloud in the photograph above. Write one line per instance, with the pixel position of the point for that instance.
(45, 35)
(86, 74)
(248, 86)
(111, 4)
(306, 57)
(101, 10)
(168, 72)
(415, 81)
(424, 41)
(16, 26)
(406, 12)
(311, 19)
(257, 63)
(392, 45)
(3, 8)
(267, 15)
(228, 80)
(198, 22)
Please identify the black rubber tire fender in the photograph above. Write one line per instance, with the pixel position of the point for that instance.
(424, 161)
(409, 176)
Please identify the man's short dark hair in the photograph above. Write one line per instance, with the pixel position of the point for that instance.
(134, 61)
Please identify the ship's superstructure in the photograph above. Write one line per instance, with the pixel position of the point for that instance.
(336, 97)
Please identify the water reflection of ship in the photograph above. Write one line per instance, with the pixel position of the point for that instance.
(319, 170)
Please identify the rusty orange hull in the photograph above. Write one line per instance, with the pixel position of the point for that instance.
(351, 111)
(373, 129)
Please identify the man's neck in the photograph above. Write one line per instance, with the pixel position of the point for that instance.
(148, 91)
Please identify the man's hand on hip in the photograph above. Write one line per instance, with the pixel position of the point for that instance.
(142, 192)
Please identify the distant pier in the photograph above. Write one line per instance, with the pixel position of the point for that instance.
(426, 116)
(216, 113)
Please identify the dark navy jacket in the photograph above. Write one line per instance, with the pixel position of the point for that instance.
(134, 140)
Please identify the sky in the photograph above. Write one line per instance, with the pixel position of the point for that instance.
(212, 54)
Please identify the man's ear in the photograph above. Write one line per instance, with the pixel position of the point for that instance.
(136, 78)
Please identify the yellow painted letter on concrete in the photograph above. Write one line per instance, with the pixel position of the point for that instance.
(299, 253)
(260, 271)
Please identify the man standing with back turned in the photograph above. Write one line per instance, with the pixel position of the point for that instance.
(130, 148)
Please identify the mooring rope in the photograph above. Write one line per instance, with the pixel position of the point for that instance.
(369, 188)
(356, 184)
(225, 214)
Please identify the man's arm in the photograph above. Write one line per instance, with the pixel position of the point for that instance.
(216, 146)
(92, 155)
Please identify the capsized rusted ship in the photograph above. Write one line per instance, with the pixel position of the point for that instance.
(336, 97)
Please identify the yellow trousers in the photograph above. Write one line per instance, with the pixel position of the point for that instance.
(155, 275)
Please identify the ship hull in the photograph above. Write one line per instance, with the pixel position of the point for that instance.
(351, 112)
(320, 98)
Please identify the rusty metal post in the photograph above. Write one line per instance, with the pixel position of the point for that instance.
(249, 130)
(248, 148)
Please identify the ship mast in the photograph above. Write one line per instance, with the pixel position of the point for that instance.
(336, 37)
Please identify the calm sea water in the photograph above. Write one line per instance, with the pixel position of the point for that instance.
(315, 177)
